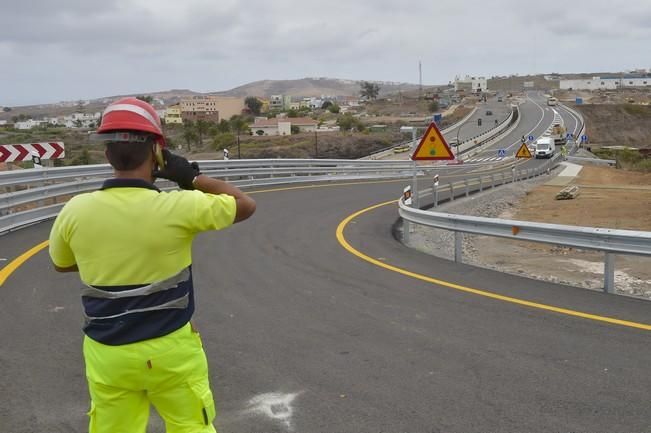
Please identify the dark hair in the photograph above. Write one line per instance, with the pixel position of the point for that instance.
(128, 155)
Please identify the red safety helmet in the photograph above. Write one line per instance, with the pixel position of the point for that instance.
(131, 114)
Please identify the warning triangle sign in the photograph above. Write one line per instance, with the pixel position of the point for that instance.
(523, 152)
(432, 146)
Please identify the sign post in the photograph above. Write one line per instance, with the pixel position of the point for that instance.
(36, 159)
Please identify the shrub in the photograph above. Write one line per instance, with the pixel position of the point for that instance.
(222, 141)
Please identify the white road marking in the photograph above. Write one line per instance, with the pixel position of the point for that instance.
(534, 128)
(275, 405)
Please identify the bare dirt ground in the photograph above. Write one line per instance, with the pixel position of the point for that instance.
(608, 198)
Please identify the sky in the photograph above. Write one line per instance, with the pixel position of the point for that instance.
(52, 51)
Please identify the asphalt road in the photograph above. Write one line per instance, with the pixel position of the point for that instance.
(328, 342)
(471, 128)
(283, 308)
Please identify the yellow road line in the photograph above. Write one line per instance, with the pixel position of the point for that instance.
(344, 243)
(14, 264)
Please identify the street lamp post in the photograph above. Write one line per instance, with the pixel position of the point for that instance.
(457, 140)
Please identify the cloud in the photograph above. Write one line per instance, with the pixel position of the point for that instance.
(73, 49)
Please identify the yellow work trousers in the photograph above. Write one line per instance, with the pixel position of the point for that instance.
(169, 372)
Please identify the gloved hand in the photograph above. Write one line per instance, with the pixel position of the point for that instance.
(178, 169)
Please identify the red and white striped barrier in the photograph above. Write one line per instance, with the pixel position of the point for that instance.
(24, 152)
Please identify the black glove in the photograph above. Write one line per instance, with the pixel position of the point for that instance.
(178, 169)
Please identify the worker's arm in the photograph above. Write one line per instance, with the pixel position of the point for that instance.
(245, 204)
(60, 251)
(187, 176)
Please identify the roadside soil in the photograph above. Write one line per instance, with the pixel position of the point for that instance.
(608, 198)
(617, 124)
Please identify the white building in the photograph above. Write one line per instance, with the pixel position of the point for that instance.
(471, 84)
(282, 126)
(28, 124)
(610, 83)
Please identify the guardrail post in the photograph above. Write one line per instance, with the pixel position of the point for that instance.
(414, 187)
(405, 231)
(458, 247)
(481, 184)
(466, 182)
(451, 192)
(609, 273)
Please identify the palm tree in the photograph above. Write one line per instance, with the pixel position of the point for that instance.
(238, 125)
(202, 128)
(189, 136)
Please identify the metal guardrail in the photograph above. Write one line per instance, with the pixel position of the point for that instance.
(479, 139)
(505, 130)
(389, 150)
(611, 241)
(29, 192)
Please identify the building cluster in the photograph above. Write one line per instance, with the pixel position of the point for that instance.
(75, 120)
(286, 102)
(608, 82)
(215, 109)
(209, 108)
(470, 84)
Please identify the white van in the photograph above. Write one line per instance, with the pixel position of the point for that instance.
(544, 147)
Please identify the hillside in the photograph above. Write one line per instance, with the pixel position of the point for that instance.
(618, 124)
(311, 87)
(296, 88)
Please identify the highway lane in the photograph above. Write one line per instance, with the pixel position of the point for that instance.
(283, 308)
(471, 128)
(535, 119)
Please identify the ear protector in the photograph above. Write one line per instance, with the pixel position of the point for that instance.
(158, 153)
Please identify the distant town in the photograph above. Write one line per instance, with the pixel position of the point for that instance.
(282, 114)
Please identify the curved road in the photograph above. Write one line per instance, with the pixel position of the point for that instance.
(339, 344)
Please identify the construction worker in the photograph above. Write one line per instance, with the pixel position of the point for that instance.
(131, 244)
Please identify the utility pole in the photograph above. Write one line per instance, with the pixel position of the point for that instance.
(420, 81)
